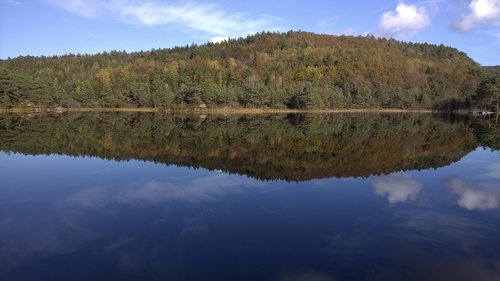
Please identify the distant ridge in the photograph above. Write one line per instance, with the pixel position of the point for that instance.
(297, 70)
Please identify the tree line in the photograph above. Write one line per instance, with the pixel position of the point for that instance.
(296, 70)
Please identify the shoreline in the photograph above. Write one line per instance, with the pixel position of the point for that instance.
(214, 110)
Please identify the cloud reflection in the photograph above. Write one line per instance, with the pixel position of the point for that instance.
(397, 188)
(66, 227)
(494, 171)
(474, 197)
(203, 189)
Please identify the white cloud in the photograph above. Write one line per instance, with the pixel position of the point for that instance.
(397, 188)
(474, 197)
(480, 12)
(405, 21)
(201, 17)
(219, 39)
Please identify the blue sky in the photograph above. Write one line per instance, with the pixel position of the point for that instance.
(55, 27)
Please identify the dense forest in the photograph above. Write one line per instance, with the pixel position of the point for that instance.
(296, 70)
(293, 147)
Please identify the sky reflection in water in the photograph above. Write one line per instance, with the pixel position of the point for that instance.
(86, 218)
(102, 219)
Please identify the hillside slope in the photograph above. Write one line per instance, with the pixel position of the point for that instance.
(267, 70)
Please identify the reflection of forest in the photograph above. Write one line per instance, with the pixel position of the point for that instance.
(290, 147)
(487, 130)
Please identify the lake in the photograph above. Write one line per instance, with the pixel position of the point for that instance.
(145, 196)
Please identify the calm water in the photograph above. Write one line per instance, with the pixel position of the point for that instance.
(283, 197)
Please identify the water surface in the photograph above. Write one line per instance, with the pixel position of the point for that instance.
(119, 196)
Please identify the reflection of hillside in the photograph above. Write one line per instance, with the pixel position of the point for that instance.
(293, 147)
(487, 129)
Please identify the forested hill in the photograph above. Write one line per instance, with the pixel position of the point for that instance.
(268, 70)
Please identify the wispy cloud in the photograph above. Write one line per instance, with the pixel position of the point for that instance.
(480, 12)
(397, 188)
(86, 8)
(474, 197)
(404, 21)
(208, 18)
